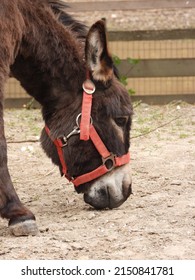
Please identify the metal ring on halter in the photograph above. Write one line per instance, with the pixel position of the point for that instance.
(88, 86)
(109, 162)
(79, 116)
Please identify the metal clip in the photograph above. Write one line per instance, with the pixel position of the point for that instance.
(75, 131)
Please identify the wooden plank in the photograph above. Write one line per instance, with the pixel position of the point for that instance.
(162, 86)
(152, 35)
(169, 49)
(129, 5)
(20, 102)
(158, 68)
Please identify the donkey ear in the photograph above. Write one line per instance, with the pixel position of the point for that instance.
(98, 59)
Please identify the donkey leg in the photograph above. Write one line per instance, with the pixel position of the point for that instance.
(21, 220)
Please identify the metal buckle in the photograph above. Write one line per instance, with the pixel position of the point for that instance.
(110, 159)
(88, 86)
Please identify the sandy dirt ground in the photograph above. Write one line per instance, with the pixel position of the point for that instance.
(156, 222)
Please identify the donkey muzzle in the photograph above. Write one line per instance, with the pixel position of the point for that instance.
(111, 190)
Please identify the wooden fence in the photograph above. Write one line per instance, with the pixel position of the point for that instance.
(166, 67)
(166, 58)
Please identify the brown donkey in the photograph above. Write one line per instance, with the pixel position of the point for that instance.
(87, 112)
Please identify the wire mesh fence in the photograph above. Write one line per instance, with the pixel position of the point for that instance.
(144, 50)
(13, 89)
(159, 50)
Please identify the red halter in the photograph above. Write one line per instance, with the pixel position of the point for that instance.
(87, 131)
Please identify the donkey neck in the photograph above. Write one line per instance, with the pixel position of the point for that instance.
(50, 63)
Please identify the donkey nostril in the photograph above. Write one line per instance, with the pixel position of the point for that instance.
(103, 192)
(98, 199)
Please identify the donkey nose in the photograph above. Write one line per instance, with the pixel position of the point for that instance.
(106, 198)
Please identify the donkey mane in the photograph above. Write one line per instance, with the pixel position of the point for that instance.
(76, 26)
(26, 66)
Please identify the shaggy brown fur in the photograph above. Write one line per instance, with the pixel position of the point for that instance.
(43, 48)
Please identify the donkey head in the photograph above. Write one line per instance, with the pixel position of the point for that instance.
(110, 114)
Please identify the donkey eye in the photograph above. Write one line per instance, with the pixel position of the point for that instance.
(121, 121)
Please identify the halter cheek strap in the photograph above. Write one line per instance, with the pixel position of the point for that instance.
(88, 90)
(87, 131)
(59, 145)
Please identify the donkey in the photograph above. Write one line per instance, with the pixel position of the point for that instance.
(87, 112)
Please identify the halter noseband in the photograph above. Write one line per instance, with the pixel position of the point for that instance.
(87, 131)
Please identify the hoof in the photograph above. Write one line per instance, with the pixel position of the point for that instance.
(25, 228)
